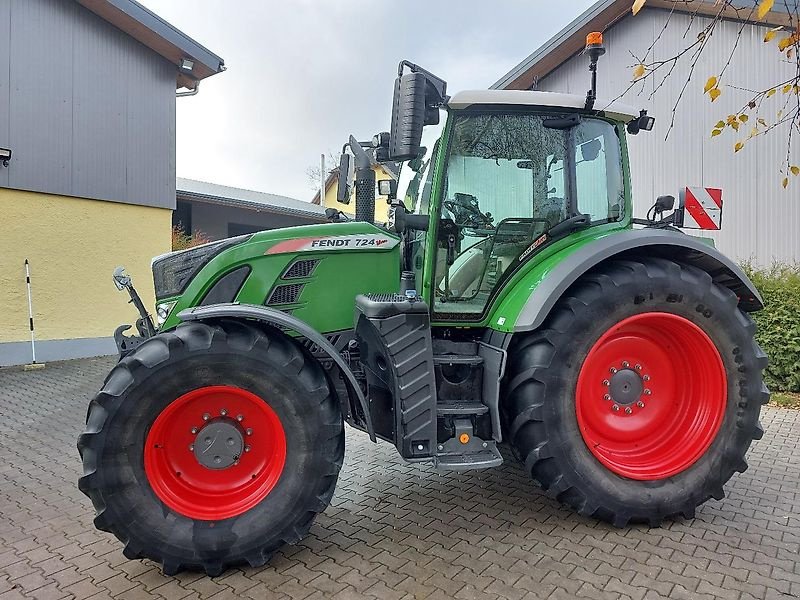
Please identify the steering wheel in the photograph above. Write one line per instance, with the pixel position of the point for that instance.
(466, 212)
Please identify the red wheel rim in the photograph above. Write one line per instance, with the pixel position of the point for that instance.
(175, 469)
(663, 424)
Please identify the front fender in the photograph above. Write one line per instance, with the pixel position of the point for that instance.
(271, 316)
(651, 242)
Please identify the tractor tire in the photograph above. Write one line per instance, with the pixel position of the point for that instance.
(640, 395)
(212, 445)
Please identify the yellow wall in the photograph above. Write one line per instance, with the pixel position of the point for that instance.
(73, 246)
(381, 207)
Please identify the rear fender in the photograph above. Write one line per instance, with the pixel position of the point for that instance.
(649, 242)
(277, 318)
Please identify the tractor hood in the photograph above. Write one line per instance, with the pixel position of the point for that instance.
(313, 272)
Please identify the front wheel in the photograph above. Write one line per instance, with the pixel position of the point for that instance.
(639, 397)
(212, 445)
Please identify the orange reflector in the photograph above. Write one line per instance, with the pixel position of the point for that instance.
(463, 438)
(594, 39)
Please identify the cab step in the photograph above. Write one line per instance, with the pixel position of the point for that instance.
(456, 359)
(461, 408)
(483, 459)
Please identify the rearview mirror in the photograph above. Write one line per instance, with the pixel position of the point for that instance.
(591, 150)
(343, 182)
(408, 116)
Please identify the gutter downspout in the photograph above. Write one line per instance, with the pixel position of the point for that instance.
(192, 92)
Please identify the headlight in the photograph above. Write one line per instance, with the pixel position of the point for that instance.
(162, 311)
(172, 272)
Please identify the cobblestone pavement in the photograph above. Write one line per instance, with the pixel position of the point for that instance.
(396, 530)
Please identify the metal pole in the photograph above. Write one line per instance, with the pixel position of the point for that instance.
(30, 309)
(322, 177)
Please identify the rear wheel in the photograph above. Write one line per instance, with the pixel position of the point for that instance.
(639, 397)
(212, 445)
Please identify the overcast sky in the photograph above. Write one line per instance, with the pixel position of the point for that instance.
(304, 74)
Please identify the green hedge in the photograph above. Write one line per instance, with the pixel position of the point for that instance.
(779, 324)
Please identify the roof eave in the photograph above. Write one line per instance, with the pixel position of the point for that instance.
(599, 17)
(160, 36)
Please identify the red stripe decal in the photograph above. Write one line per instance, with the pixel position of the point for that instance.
(716, 196)
(290, 245)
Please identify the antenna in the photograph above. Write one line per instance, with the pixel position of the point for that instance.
(595, 49)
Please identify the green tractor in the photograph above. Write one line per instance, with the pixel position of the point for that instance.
(513, 300)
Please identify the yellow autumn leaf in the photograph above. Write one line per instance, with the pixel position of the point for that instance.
(787, 88)
(638, 71)
(735, 125)
(784, 43)
(720, 125)
(711, 83)
(764, 7)
(762, 122)
(785, 182)
(743, 118)
(753, 132)
(738, 146)
(770, 35)
(771, 92)
(795, 170)
(714, 93)
(715, 132)
(637, 6)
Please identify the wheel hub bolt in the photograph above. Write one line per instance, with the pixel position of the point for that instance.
(640, 404)
(646, 378)
(206, 417)
(249, 431)
(613, 370)
(240, 417)
(606, 382)
(615, 407)
(625, 364)
(191, 447)
(194, 430)
(247, 448)
(607, 397)
(647, 392)
(223, 412)
(628, 410)
(638, 367)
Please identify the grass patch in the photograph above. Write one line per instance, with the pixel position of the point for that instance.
(785, 400)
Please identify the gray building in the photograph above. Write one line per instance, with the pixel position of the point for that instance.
(760, 218)
(219, 211)
(87, 98)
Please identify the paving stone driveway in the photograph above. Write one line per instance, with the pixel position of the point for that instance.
(394, 530)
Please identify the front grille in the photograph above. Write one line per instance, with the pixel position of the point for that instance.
(285, 294)
(301, 268)
(172, 272)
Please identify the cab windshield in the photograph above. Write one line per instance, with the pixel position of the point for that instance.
(510, 179)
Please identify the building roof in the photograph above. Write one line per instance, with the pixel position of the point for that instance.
(465, 99)
(605, 13)
(163, 38)
(221, 195)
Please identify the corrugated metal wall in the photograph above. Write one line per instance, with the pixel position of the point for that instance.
(87, 110)
(761, 219)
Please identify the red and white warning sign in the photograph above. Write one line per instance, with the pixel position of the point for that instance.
(702, 208)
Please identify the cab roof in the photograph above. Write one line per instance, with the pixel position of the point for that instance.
(614, 109)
